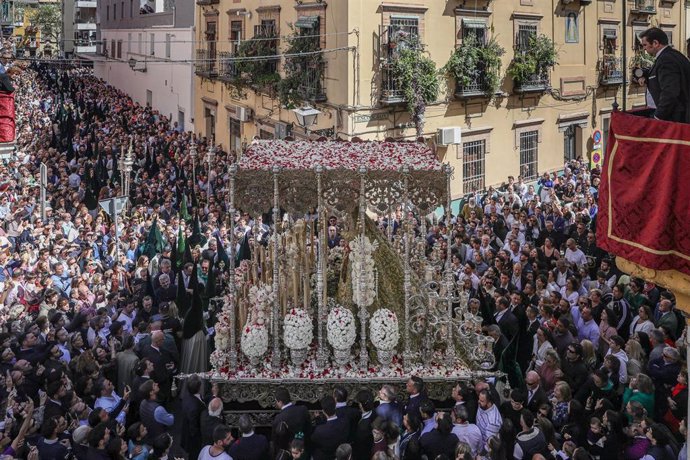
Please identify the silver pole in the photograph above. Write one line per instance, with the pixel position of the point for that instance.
(408, 356)
(44, 184)
(363, 354)
(322, 353)
(449, 277)
(113, 213)
(232, 361)
(276, 283)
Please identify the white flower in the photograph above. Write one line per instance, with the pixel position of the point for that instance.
(298, 329)
(341, 328)
(383, 329)
(362, 270)
(254, 340)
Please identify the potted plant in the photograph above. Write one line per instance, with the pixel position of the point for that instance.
(530, 66)
(416, 77)
(476, 66)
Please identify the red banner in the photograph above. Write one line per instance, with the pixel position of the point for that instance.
(7, 127)
(644, 196)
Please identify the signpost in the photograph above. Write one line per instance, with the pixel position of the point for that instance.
(114, 206)
(597, 158)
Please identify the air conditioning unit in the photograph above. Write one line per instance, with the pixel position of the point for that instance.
(449, 136)
(282, 130)
(244, 113)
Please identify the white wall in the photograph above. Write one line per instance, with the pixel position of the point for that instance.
(169, 80)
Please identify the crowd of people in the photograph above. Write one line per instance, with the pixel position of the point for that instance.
(91, 333)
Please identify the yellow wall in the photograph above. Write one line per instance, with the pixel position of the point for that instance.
(353, 78)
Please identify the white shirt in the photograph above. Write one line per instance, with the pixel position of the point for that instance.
(576, 257)
(470, 434)
(205, 454)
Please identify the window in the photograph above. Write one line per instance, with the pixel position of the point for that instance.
(570, 143)
(637, 42)
(139, 43)
(610, 41)
(473, 168)
(113, 49)
(235, 135)
(529, 151)
(669, 34)
(131, 8)
(129, 42)
(122, 10)
(107, 12)
(119, 49)
(167, 45)
(115, 11)
(152, 49)
(524, 34)
(476, 27)
(235, 35)
(268, 29)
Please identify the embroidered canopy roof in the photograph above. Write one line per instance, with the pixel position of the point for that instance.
(342, 165)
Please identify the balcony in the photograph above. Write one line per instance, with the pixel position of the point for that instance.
(207, 2)
(86, 4)
(313, 85)
(206, 63)
(611, 71)
(85, 46)
(227, 70)
(390, 87)
(85, 26)
(644, 7)
(535, 84)
(478, 87)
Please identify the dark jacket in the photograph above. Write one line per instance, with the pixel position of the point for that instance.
(192, 408)
(669, 85)
(434, 443)
(208, 424)
(352, 416)
(254, 447)
(364, 439)
(297, 420)
(327, 437)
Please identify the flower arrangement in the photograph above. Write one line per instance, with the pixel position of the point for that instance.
(380, 156)
(362, 271)
(254, 340)
(340, 328)
(260, 297)
(383, 329)
(298, 329)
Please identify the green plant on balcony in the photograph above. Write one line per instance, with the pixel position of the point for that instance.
(642, 60)
(251, 71)
(417, 77)
(533, 62)
(304, 69)
(474, 61)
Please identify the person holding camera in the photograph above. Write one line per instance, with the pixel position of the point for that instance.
(668, 81)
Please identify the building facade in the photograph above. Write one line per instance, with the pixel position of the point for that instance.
(146, 51)
(79, 27)
(519, 129)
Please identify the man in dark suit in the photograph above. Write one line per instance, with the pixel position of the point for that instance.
(464, 395)
(164, 364)
(526, 339)
(668, 81)
(345, 412)
(505, 318)
(364, 438)
(192, 408)
(210, 419)
(329, 435)
(536, 396)
(414, 388)
(250, 446)
(291, 420)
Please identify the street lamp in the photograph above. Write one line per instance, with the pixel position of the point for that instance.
(209, 157)
(193, 154)
(306, 117)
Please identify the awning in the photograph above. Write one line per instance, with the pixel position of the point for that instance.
(610, 33)
(307, 22)
(470, 23)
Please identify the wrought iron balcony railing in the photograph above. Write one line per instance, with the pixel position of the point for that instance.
(536, 83)
(611, 70)
(206, 64)
(644, 7)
